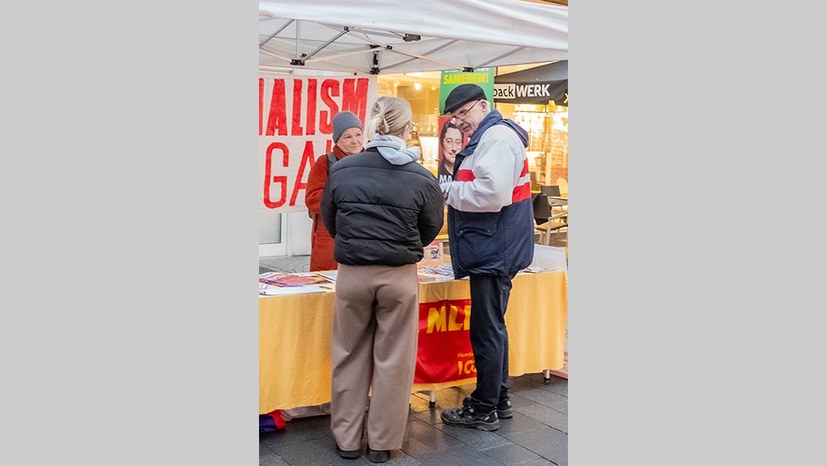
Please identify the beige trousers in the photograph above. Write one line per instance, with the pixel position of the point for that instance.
(375, 325)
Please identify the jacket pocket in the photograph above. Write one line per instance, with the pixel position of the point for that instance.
(477, 241)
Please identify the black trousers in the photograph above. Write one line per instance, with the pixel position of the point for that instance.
(489, 338)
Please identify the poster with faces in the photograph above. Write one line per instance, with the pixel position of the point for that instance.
(450, 141)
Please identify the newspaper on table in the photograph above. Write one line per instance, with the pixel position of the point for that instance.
(329, 274)
(276, 283)
(435, 273)
(548, 259)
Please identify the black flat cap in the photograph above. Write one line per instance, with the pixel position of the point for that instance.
(461, 95)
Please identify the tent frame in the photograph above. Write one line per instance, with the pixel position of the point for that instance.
(491, 33)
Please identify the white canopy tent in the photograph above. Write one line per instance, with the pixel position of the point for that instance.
(361, 36)
(390, 37)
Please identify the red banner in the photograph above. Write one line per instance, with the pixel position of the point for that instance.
(295, 115)
(444, 350)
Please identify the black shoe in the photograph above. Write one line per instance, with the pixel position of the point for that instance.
(378, 456)
(348, 454)
(468, 416)
(504, 410)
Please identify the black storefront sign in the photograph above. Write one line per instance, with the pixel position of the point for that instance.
(537, 85)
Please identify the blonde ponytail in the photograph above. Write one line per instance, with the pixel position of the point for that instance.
(390, 115)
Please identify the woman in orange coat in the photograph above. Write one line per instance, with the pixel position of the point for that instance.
(347, 135)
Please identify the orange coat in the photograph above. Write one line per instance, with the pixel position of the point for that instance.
(321, 243)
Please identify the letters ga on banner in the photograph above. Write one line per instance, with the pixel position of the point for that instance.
(295, 126)
(444, 349)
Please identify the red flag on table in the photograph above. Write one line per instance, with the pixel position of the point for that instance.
(444, 350)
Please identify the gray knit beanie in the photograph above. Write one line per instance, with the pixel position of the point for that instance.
(344, 121)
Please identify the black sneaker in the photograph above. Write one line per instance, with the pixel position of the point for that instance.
(348, 454)
(504, 410)
(468, 416)
(378, 456)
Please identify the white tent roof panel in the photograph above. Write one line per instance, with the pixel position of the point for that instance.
(453, 34)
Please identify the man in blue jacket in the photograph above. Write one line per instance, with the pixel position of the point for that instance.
(491, 233)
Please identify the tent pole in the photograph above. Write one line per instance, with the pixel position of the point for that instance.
(334, 56)
(501, 56)
(454, 41)
(298, 38)
(267, 52)
(276, 69)
(422, 57)
(326, 44)
(363, 31)
(275, 33)
(390, 48)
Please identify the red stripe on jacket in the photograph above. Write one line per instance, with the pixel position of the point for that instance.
(465, 175)
(518, 194)
(521, 193)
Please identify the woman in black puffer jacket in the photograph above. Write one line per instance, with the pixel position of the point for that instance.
(382, 208)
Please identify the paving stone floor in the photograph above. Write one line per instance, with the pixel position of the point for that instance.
(536, 435)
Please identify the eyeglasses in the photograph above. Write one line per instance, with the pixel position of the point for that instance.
(461, 115)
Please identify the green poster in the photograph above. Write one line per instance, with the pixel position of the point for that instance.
(483, 77)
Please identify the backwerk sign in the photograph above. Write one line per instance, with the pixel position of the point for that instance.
(538, 85)
(514, 91)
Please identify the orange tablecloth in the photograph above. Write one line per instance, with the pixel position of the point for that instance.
(295, 332)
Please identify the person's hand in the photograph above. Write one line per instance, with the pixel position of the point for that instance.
(444, 187)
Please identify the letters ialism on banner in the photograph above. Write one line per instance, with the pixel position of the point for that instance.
(294, 122)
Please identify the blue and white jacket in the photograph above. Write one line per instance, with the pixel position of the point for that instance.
(490, 215)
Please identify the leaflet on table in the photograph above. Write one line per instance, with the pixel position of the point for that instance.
(534, 269)
(549, 258)
(329, 274)
(291, 279)
(269, 290)
(276, 283)
(437, 273)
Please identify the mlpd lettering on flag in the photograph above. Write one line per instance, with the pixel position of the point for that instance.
(444, 351)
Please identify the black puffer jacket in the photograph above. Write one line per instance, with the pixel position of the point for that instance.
(380, 213)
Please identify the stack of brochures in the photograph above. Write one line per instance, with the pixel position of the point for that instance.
(436, 273)
(275, 284)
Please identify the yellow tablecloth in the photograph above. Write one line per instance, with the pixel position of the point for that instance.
(295, 332)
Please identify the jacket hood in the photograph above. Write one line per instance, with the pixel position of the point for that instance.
(393, 149)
